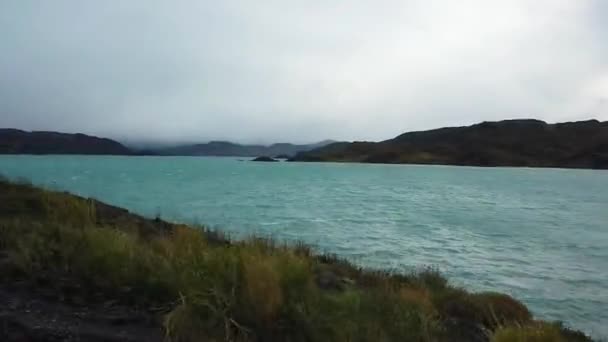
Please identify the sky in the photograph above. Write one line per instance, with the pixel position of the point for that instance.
(298, 71)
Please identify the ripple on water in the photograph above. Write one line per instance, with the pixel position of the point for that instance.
(539, 234)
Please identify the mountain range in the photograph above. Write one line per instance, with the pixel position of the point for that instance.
(14, 141)
(225, 148)
(526, 142)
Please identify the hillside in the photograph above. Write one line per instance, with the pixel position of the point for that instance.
(13, 141)
(533, 143)
(76, 269)
(225, 148)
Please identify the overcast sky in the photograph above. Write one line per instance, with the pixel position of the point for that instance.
(300, 71)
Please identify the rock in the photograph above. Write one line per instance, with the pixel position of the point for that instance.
(79, 301)
(5, 261)
(27, 316)
(124, 319)
(13, 330)
(110, 303)
(264, 159)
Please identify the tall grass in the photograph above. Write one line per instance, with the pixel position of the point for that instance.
(537, 332)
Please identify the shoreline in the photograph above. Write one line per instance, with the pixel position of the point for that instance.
(313, 162)
(427, 293)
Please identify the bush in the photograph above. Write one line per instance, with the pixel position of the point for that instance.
(488, 309)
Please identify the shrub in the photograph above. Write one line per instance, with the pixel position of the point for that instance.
(487, 309)
(261, 286)
(500, 309)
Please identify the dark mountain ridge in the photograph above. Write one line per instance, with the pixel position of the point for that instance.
(527, 142)
(14, 141)
(225, 148)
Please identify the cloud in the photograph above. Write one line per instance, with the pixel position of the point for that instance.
(297, 71)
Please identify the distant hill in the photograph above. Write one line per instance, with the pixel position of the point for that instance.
(14, 141)
(534, 143)
(225, 148)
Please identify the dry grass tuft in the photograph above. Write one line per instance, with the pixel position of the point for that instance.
(537, 332)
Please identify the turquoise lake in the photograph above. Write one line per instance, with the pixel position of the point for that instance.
(538, 234)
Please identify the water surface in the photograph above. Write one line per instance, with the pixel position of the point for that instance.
(539, 234)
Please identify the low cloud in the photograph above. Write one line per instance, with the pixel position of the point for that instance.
(297, 71)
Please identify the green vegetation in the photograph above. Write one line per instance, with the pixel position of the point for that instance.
(537, 332)
(210, 289)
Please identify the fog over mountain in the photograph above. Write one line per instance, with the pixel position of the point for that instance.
(297, 71)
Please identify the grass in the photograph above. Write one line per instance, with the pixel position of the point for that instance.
(537, 332)
(212, 289)
(530, 333)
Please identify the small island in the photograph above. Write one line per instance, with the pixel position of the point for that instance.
(264, 159)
